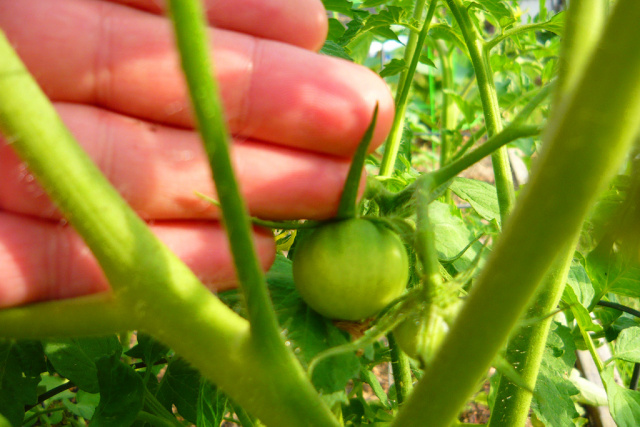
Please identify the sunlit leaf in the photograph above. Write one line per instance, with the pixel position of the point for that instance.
(393, 67)
(552, 402)
(76, 358)
(628, 345)
(481, 196)
(624, 404)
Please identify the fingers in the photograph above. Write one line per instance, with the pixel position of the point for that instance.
(157, 169)
(44, 260)
(124, 60)
(302, 22)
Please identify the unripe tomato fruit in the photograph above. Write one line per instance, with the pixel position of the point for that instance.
(350, 269)
(421, 334)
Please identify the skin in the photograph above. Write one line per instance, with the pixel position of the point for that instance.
(112, 73)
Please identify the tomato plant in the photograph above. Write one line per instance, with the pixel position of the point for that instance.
(531, 275)
(350, 269)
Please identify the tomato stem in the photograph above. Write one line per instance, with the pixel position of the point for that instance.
(490, 105)
(395, 136)
(401, 369)
(525, 348)
(348, 201)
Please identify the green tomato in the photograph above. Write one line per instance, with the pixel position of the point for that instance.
(422, 332)
(350, 269)
(420, 335)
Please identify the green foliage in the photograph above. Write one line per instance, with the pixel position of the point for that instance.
(552, 401)
(624, 404)
(121, 393)
(20, 366)
(463, 89)
(76, 359)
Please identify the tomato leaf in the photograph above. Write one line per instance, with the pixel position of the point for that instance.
(452, 236)
(20, 366)
(336, 29)
(121, 393)
(498, 9)
(628, 345)
(76, 358)
(180, 386)
(481, 196)
(424, 59)
(332, 48)
(613, 272)
(148, 349)
(212, 405)
(393, 67)
(556, 24)
(578, 294)
(624, 404)
(83, 405)
(340, 6)
(552, 402)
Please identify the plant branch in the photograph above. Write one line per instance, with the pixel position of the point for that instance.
(161, 294)
(92, 315)
(538, 26)
(526, 347)
(490, 106)
(449, 109)
(494, 143)
(620, 307)
(584, 146)
(277, 367)
(401, 369)
(192, 42)
(395, 136)
(386, 198)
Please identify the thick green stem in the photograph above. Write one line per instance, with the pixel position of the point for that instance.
(584, 146)
(526, 347)
(410, 48)
(100, 314)
(584, 24)
(401, 369)
(425, 238)
(490, 106)
(266, 342)
(192, 41)
(449, 108)
(395, 136)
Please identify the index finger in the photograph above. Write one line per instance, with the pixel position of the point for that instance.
(301, 23)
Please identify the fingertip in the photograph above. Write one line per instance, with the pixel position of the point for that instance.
(316, 26)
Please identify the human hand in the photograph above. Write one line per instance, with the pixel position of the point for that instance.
(112, 71)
